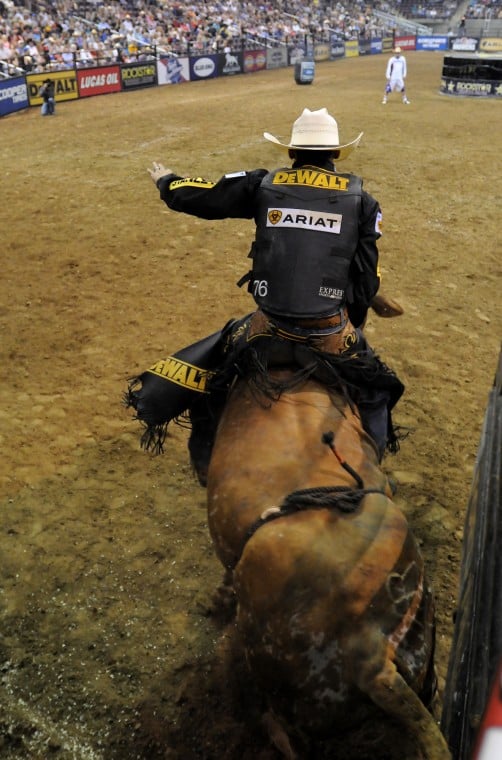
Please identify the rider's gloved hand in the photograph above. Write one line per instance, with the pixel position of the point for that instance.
(157, 171)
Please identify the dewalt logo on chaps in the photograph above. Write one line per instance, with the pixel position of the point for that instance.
(182, 373)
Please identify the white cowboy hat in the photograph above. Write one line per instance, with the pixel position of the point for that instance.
(397, 50)
(316, 130)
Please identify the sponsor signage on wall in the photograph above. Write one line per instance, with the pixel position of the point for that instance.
(321, 52)
(464, 44)
(254, 60)
(432, 42)
(140, 74)
(65, 86)
(13, 95)
(337, 49)
(351, 48)
(405, 42)
(364, 47)
(98, 81)
(204, 67)
(173, 70)
(376, 45)
(490, 45)
(277, 58)
(230, 63)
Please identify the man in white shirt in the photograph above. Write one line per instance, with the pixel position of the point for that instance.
(396, 74)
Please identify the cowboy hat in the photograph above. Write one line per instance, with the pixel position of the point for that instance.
(397, 50)
(316, 130)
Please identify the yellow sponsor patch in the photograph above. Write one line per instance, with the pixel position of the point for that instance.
(182, 373)
(311, 178)
(191, 182)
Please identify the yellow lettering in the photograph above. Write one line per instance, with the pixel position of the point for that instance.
(193, 381)
(307, 177)
(281, 177)
(189, 182)
(166, 368)
(181, 375)
(342, 183)
(304, 176)
(321, 181)
(171, 367)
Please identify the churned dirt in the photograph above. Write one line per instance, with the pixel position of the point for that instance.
(111, 645)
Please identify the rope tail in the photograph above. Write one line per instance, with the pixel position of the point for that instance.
(329, 439)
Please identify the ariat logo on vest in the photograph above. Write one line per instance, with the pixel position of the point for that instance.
(298, 219)
(311, 178)
(182, 373)
(274, 216)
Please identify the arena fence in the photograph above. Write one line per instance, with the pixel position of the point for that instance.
(157, 68)
(476, 653)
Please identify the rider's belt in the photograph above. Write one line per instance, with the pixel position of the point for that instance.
(304, 328)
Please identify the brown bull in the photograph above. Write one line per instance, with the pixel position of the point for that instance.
(333, 607)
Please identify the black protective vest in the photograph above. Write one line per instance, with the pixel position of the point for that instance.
(306, 237)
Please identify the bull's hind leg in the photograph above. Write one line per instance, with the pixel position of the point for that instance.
(389, 690)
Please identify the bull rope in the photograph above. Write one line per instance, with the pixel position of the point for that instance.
(343, 498)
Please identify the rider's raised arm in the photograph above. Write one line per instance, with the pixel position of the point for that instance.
(232, 196)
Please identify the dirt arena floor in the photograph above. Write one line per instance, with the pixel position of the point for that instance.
(110, 643)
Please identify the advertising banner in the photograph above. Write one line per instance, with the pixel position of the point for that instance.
(254, 60)
(277, 58)
(464, 44)
(230, 63)
(98, 81)
(204, 67)
(140, 74)
(387, 44)
(321, 52)
(433, 42)
(337, 49)
(173, 70)
(364, 47)
(405, 42)
(376, 45)
(65, 83)
(490, 45)
(351, 48)
(13, 95)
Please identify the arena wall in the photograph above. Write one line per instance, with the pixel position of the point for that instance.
(20, 92)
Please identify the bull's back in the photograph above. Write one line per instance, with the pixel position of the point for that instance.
(265, 450)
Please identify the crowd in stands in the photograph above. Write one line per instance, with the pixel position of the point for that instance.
(442, 9)
(55, 34)
(484, 9)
